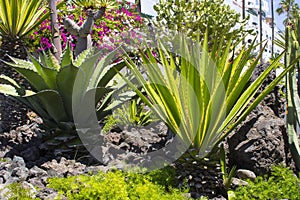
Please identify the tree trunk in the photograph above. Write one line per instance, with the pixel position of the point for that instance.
(243, 14)
(138, 6)
(260, 29)
(272, 26)
(243, 9)
(55, 30)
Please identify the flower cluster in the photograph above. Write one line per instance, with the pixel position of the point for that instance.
(114, 26)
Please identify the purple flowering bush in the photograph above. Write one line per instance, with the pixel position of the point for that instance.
(116, 27)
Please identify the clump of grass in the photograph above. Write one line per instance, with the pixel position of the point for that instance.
(17, 191)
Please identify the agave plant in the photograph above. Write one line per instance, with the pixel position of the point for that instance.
(18, 19)
(52, 94)
(201, 93)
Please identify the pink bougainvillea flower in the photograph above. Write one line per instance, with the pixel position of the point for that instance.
(114, 25)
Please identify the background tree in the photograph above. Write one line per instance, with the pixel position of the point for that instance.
(260, 28)
(272, 26)
(55, 30)
(195, 16)
(290, 8)
(243, 9)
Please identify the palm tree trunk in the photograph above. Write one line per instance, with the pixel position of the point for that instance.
(243, 13)
(260, 28)
(272, 26)
(55, 30)
(243, 9)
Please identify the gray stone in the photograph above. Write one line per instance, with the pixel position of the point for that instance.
(21, 173)
(48, 194)
(18, 162)
(238, 182)
(245, 174)
(11, 180)
(258, 143)
(31, 188)
(5, 175)
(37, 172)
(38, 182)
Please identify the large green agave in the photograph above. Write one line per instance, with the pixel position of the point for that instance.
(202, 93)
(53, 92)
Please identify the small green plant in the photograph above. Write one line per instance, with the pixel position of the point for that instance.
(3, 160)
(18, 191)
(227, 177)
(282, 184)
(110, 122)
(119, 185)
(134, 113)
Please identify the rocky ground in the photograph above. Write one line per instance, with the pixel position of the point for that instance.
(24, 160)
(252, 149)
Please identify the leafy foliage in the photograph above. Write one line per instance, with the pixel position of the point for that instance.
(200, 94)
(18, 191)
(119, 185)
(132, 113)
(107, 33)
(194, 17)
(282, 184)
(290, 8)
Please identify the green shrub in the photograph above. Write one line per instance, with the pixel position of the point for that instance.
(18, 191)
(120, 185)
(282, 184)
(195, 16)
(3, 159)
(134, 113)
